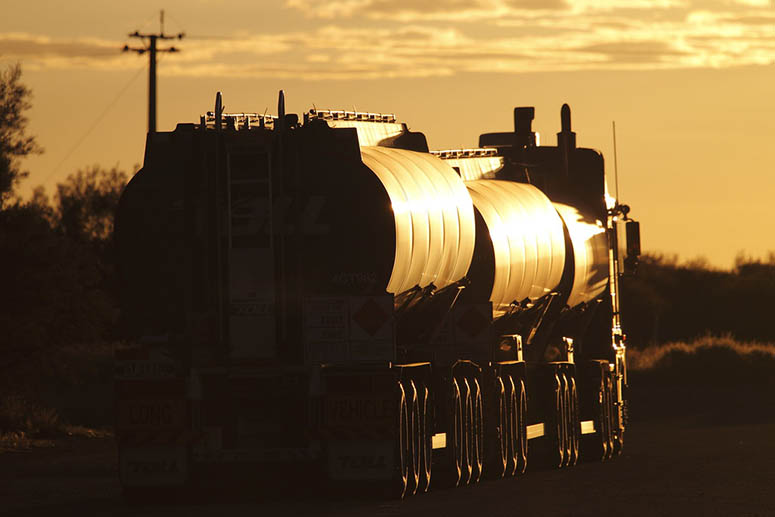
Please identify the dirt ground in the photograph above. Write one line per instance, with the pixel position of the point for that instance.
(714, 459)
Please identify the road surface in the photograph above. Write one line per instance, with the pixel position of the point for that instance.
(681, 461)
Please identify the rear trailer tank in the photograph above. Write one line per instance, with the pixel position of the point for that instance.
(330, 292)
(434, 219)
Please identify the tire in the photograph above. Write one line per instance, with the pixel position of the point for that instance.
(565, 418)
(497, 458)
(458, 426)
(512, 427)
(468, 420)
(557, 447)
(605, 418)
(401, 471)
(522, 444)
(426, 433)
(477, 433)
(613, 423)
(575, 422)
(415, 440)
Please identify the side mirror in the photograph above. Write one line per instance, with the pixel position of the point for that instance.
(632, 247)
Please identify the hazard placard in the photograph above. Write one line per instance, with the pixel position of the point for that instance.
(467, 324)
(353, 328)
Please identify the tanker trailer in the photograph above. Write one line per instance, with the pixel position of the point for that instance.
(327, 294)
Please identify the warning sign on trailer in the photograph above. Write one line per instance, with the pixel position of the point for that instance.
(371, 317)
(352, 328)
(467, 324)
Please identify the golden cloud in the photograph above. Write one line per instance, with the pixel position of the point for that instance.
(554, 38)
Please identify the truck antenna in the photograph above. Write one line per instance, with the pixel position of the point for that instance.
(616, 165)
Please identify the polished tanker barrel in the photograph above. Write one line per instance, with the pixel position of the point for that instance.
(590, 254)
(391, 220)
(521, 248)
(434, 219)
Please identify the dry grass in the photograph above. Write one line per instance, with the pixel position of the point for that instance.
(661, 356)
(19, 415)
(25, 425)
(708, 360)
(29, 417)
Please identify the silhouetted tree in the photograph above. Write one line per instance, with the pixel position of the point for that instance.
(671, 302)
(86, 203)
(14, 142)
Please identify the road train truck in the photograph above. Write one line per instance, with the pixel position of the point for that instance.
(323, 292)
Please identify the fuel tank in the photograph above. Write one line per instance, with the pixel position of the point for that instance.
(392, 220)
(507, 238)
(520, 243)
(434, 219)
(589, 245)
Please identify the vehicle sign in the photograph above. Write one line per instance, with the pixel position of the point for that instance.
(153, 466)
(151, 414)
(355, 408)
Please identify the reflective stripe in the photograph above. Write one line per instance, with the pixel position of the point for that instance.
(535, 431)
(588, 427)
(439, 441)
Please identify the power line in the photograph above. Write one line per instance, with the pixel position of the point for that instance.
(94, 125)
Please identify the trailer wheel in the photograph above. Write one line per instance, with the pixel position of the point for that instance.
(522, 429)
(497, 459)
(426, 434)
(595, 404)
(512, 427)
(605, 418)
(619, 438)
(458, 427)
(565, 417)
(401, 471)
(575, 422)
(477, 432)
(557, 444)
(612, 417)
(468, 421)
(415, 440)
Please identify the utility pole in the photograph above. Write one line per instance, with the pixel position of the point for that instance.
(149, 45)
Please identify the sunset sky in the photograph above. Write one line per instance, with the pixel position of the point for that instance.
(690, 84)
